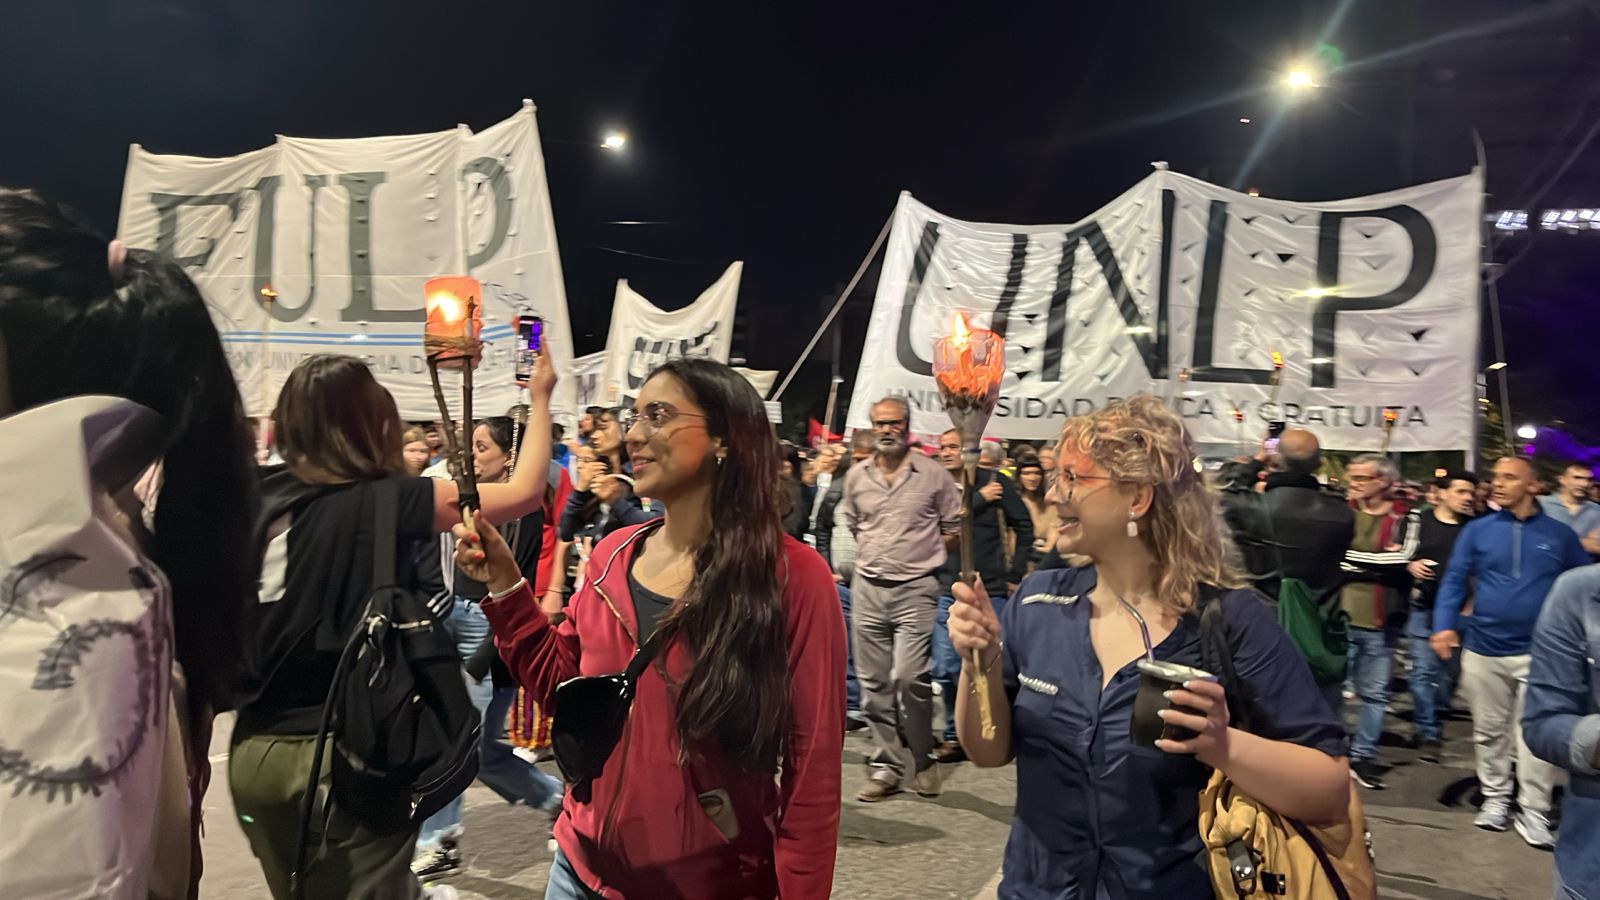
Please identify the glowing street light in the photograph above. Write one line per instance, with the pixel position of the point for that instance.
(1495, 367)
(614, 141)
(1527, 432)
(1300, 79)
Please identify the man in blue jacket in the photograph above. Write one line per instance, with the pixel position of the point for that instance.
(1513, 556)
(1562, 721)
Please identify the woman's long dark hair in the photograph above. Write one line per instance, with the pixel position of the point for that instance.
(736, 695)
(334, 423)
(69, 331)
(505, 432)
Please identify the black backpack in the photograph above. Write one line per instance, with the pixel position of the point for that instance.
(404, 734)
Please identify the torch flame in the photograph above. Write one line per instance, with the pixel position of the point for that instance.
(1389, 417)
(1277, 360)
(447, 306)
(960, 334)
(970, 362)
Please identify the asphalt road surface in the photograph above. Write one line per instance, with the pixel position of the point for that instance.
(950, 847)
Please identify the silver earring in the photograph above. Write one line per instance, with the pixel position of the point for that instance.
(1133, 525)
(719, 462)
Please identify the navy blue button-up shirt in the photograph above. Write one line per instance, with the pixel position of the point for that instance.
(1561, 717)
(1097, 817)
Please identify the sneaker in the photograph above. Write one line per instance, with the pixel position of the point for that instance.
(1535, 829)
(439, 892)
(854, 721)
(926, 784)
(1494, 815)
(1368, 774)
(441, 861)
(876, 789)
(949, 752)
(1430, 750)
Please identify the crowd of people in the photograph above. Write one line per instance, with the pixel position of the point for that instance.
(693, 615)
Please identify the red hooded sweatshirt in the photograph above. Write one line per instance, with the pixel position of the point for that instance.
(642, 832)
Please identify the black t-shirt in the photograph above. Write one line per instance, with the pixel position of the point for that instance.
(648, 606)
(1436, 542)
(316, 578)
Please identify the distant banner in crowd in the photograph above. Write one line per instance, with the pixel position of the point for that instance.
(644, 336)
(346, 232)
(1184, 289)
(586, 373)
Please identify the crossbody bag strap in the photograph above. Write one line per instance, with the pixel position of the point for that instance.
(1217, 651)
(642, 657)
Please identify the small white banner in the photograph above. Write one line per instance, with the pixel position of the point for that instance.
(643, 336)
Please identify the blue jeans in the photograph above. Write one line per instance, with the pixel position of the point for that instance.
(564, 883)
(1433, 680)
(1371, 661)
(946, 664)
(503, 771)
(852, 688)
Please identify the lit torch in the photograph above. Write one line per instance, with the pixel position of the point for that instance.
(1238, 430)
(1277, 374)
(968, 366)
(450, 340)
(1389, 418)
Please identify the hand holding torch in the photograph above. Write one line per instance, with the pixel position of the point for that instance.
(968, 365)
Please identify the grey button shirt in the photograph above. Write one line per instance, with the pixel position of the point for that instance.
(900, 527)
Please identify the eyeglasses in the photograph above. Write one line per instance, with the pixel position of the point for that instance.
(1065, 484)
(1361, 479)
(653, 417)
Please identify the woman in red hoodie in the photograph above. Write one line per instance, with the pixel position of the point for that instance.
(725, 780)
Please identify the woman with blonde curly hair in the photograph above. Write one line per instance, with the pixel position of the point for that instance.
(1098, 815)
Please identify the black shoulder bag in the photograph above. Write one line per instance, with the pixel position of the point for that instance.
(591, 712)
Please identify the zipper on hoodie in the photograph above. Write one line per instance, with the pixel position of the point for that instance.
(627, 728)
(1516, 547)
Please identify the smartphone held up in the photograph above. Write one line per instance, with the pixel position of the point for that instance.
(530, 343)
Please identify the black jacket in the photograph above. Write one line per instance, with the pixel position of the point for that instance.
(988, 538)
(823, 533)
(1296, 529)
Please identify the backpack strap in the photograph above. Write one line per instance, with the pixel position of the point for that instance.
(386, 530)
(386, 506)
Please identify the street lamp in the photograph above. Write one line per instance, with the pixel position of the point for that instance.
(1527, 432)
(1300, 79)
(614, 141)
(1495, 367)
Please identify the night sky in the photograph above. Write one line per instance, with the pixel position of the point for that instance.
(781, 133)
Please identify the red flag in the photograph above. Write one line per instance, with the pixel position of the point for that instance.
(815, 431)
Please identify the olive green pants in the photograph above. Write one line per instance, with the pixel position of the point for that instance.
(268, 774)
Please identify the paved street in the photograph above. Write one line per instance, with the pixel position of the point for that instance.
(907, 847)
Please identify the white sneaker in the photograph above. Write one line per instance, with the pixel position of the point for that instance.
(1495, 815)
(1535, 829)
(440, 892)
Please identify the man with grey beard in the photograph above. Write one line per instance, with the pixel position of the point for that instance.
(905, 513)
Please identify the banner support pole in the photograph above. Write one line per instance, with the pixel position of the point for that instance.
(837, 305)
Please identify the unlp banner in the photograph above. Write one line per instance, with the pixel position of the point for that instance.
(1185, 290)
(643, 336)
(346, 232)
